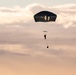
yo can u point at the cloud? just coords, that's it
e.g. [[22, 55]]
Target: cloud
[[66, 14], [55, 52], [14, 15], [23, 48], [29, 40], [18, 59]]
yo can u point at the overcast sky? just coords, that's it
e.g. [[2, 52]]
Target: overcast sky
[[22, 46], [24, 3]]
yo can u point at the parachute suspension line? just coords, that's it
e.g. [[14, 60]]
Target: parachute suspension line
[[45, 38]]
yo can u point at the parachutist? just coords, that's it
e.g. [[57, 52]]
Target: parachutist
[[45, 36]]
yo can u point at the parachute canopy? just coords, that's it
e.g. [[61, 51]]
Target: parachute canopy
[[45, 16]]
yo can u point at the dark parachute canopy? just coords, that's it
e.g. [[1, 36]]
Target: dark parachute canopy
[[45, 16]]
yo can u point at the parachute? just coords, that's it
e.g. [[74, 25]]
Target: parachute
[[45, 16]]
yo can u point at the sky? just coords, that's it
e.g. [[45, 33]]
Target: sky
[[24, 3], [22, 46]]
